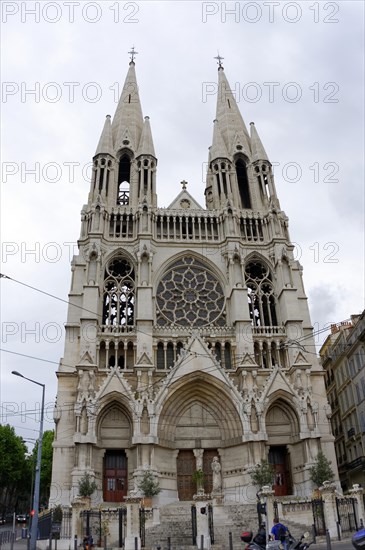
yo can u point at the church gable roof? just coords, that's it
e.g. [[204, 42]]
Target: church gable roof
[[184, 201]]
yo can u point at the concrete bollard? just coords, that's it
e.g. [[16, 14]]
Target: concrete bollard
[[328, 540]]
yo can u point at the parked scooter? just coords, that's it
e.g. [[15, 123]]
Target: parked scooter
[[301, 544]]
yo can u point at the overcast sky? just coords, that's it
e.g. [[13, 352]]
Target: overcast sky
[[297, 71]]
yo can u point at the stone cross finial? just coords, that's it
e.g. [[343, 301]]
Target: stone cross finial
[[184, 184], [220, 59], [132, 53]]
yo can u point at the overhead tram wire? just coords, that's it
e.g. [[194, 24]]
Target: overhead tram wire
[[3, 276], [288, 344]]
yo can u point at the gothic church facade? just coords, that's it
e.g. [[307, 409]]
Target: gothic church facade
[[188, 333]]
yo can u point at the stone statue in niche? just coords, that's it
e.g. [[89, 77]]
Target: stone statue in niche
[[86, 385], [217, 475], [254, 420], [83, 421], [198, 453]]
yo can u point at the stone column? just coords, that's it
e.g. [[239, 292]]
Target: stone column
[[132, 504], [357, 492], [198, 453], [78, 504], [202, 526], [267, 494], [328, 492]]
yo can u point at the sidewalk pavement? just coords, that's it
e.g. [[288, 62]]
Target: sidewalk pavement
[[335, 545], [21, 544]]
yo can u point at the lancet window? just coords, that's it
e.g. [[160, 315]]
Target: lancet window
[[167, 353], [261, 296], [119, 293]]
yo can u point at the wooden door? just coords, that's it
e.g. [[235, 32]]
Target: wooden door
[[279, 458], [115, 483], [208, 456], [186, 488]]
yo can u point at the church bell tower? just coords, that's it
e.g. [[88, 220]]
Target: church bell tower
[[188, 336]]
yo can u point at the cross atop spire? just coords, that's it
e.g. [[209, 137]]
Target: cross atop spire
[[220, 59], [132, 53], [184, 184]]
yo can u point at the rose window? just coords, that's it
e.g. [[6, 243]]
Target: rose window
[[190, 295]]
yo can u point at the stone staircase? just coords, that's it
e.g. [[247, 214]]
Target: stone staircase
[[175, 522]]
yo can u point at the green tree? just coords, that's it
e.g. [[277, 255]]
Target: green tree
[[46, 465], [321, 471], [15, 478], [262, 474]]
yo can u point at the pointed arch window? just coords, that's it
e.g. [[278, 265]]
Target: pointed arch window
[[124, 178], [261, 297], [242, 180], [119, 293]]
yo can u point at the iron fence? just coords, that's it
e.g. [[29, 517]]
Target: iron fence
[[194, 529], [346, 514], [318, 517], [210, 523], [142, 526]]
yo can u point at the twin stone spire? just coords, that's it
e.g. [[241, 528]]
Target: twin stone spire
[[130, 131]]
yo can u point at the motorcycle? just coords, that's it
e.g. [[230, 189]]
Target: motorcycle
[[258, 542]]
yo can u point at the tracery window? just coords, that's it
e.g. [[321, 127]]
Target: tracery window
[[190, 295], [261, 297], [119, 293]]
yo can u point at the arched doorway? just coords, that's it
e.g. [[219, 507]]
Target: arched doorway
[[114, 435], [198, 418], [282, 427]]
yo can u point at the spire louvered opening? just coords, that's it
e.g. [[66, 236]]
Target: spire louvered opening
[[124, 178], [242, 180]]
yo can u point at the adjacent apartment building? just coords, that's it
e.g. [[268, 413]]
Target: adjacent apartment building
[[343, 358]]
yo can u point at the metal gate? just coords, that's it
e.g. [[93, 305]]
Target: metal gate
[[92, 525], [122, 517], [194, 529], [45, 526], [210, 523], [318, 516], [346, 514], [142, 526]]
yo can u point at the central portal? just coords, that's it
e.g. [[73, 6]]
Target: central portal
[[186, 466]]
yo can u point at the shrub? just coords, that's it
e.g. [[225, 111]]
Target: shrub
[[86, 486], [321, 471], [263, 474], [149, 485]]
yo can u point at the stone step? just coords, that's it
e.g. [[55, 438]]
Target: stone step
[[175, 522]]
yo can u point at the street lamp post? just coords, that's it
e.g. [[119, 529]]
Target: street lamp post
[[37, 481]]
